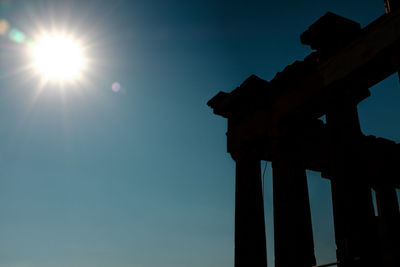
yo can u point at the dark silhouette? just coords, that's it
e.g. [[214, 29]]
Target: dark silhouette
[[278, 121]]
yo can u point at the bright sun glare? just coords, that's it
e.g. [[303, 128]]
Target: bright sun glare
[[58, 57]]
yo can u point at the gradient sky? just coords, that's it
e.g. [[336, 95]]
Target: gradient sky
[[141, 178]]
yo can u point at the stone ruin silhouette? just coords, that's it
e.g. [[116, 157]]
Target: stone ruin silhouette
[[278, 121]]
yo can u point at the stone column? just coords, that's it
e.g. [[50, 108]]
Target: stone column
[[294, 245], [389, 225], [354, 219], [250, 246]]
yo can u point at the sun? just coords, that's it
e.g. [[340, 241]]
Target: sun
[[58, 57]]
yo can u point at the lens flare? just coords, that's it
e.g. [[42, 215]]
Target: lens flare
[[17, 36], [58, 57], [116, 87], [4, 26]]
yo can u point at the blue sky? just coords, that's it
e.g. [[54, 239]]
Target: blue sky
[[89, 177]]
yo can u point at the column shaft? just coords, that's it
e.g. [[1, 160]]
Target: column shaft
[[389, 223], [250, 246], [354, 220], [294, 245]]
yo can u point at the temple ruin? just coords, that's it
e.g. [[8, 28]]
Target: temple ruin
[[279, 121]]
